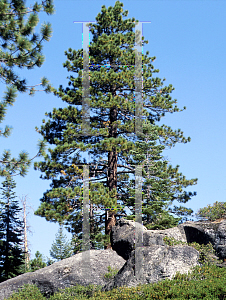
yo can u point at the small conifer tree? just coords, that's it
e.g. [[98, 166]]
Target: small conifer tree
[[11, 231], [37, 263], [61, 248]]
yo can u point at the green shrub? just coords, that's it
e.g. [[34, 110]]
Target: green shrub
[[214, 212], [206, 252], [203, 282], [76, 292], [111, 274], [28, 292], [206, 282], [170, 241], [31, 292]]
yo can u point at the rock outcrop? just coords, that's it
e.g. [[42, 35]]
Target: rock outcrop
[[66, 273], [123, 236], [202, 232], [159, 262], [156, 260]]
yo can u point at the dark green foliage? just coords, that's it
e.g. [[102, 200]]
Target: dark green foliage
[[97, 239], [37, 263], [61, 248], [11, 232], [162, 185], [112, 145], [11, 166]]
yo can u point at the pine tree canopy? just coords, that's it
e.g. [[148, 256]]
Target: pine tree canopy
[[114, 147], [20, 48]]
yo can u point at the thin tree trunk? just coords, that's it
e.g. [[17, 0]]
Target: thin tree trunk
[[92, 246], [7, 244], [110, 219], [25, 236], [148, 190], [26, 229]]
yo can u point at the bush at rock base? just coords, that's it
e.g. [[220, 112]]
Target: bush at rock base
[[28, 292], [206, 282], [207, 252], [31, 292], [112, 272]]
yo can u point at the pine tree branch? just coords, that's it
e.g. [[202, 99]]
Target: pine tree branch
[[15, 13]]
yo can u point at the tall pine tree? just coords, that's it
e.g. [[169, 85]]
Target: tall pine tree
[[113, 146], [11, 231]]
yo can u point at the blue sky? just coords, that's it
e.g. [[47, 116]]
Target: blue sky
[[188, 40]]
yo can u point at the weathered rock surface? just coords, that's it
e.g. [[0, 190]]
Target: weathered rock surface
[[66, 273], [159, 262], [123, 235]]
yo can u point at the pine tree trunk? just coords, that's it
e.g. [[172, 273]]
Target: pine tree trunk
[[25, 236], [7, 244], [92, 246], [110, 219]]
